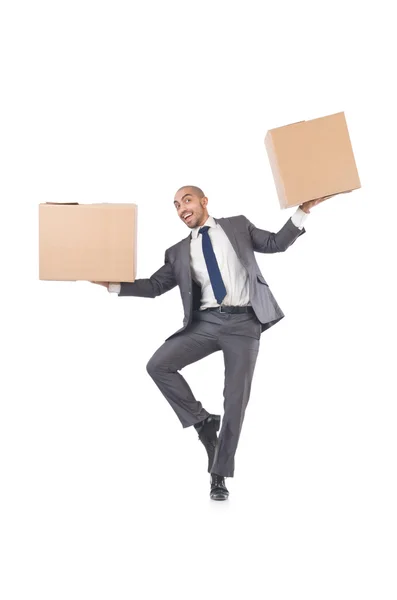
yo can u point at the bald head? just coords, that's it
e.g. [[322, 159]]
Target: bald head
[[191, 205], [194, 189]]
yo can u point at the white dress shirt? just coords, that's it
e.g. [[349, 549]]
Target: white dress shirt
[[234, 275]]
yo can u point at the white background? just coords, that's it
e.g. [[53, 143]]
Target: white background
[[103, 494]]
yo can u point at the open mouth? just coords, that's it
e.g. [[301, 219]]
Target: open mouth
[[187, 217]]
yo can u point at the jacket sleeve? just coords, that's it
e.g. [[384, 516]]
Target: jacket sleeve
[[160, 282], [266, 241]]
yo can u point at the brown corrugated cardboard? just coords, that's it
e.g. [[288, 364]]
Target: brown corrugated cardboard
[[87, 242], [312, 159]]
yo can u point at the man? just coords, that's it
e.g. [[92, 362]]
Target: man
[[227, 305]]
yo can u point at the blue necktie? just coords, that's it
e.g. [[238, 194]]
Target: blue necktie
[[213, 270]]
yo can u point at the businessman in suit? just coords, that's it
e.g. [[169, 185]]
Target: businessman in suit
[[227, 305]]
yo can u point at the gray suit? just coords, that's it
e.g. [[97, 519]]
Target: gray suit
[[205, 332]]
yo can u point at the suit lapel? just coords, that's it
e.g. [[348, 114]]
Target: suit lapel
[[184, 255], [228, 229]]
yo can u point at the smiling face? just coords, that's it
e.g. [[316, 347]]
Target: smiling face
[[191, 206]]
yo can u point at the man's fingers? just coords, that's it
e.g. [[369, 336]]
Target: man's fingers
[[311, 203]]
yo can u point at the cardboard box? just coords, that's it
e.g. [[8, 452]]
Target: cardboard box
[[312, 159], [88, 242]]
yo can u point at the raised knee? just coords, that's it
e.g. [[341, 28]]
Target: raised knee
[[152, 366]]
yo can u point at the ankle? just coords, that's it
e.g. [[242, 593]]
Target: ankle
[[216, 476], [199, 424], [203, 422]]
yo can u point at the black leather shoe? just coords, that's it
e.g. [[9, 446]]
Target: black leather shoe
[[218, 488], [207, 435]]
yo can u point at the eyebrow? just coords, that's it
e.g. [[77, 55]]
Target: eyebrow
[[182, 197]]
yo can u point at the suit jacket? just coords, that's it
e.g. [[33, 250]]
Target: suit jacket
[[245, 239]]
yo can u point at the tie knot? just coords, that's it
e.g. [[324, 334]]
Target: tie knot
[[204, 229]]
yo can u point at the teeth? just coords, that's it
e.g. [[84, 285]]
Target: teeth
[[186, 216]]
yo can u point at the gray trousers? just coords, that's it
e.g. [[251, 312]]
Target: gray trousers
[[238, 336]]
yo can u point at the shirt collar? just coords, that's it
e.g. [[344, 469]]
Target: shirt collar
[[210, 222]]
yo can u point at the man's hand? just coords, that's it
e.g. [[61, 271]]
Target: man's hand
[[104, 283], [306, 206]]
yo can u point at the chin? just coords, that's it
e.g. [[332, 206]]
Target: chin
[[191, 225]]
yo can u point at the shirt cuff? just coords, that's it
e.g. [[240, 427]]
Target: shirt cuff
[[114, 287], [299, 217]]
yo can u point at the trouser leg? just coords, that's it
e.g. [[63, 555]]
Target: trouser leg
[[196, 342], [240, 355]]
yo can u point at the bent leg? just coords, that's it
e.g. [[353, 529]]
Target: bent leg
[[196, 342]]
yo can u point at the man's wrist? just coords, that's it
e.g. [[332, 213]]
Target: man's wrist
[[114, 288], [299, 217]]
